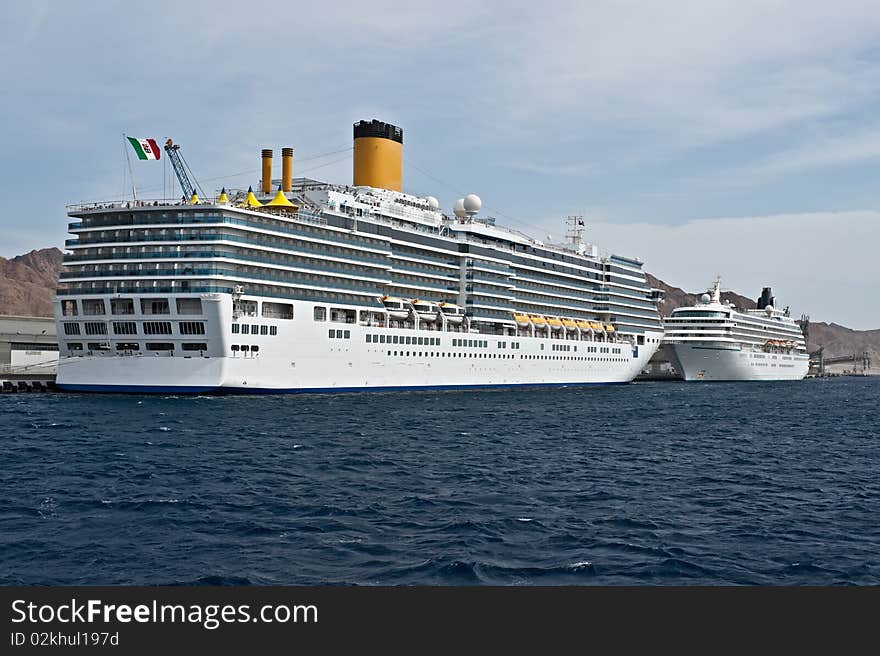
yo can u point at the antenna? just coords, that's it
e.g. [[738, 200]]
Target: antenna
[[575, 232]]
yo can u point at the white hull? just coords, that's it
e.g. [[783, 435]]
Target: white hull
[[302, 357], [713, 363]]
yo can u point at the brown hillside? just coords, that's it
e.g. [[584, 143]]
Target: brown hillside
[[27, 282]]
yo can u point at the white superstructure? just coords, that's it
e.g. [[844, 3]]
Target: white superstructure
[[324, 287], [714, 341]]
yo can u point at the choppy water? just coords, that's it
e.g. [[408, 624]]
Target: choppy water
[[657, 483]]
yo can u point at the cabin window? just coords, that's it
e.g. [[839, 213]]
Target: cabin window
[[121, 306], [264, 330], [128, 346], [255, 329], [157, 328], [74, 346], [235, 347], [320, 314], [254, 348], [277, 310], [189, 306], [68, 308], [95, 328], [347, 334], [194, 346], [93, 306], [192, 327], [71, 329], [245, 329], [98, 346], [235, 329], [155, 306], [273, 330], [160, 346], [369, 339], [124, 328], [342, 316]]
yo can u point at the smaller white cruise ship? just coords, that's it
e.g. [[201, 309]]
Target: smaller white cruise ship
[[715, 341]]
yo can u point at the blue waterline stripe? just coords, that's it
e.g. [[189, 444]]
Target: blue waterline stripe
[[158, 389]]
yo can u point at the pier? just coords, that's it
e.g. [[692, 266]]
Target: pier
[[28, 354]]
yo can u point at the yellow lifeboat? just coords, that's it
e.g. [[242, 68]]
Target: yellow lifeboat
[[522, 320], [569, 324], [583, 325], [553, 322], [609, 328], [537, 319], [596, 326]]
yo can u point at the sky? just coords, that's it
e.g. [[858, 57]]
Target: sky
[[733, 138]]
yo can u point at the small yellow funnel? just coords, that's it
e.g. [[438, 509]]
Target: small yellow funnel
[[287, 169], [250, 200], [280, 200], [223, 199], [194, 199], [266, 180]]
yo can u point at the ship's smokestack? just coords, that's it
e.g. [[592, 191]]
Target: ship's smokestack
[[378, 155], [266, 180], [766, 299], [286, 169]]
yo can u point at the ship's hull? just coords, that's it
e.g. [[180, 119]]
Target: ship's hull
[[698, 362], [302, 357]]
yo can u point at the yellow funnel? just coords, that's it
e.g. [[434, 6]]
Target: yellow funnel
[[194, 199], [223, 199], [378, 155]]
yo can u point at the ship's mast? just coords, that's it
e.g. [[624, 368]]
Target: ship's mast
[[716, 290], [575, 232]]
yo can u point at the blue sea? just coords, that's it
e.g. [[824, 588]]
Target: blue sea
[[649, 483]]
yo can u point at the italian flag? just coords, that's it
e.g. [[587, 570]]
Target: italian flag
[[145, 148]]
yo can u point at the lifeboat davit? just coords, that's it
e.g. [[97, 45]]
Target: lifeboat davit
[[427, 311], [453, 313], [396, 308]]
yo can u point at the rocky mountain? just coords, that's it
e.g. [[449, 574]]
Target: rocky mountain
[[27, 283]]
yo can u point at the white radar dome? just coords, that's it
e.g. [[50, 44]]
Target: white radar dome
[[472, 203], [458, 208], [705, 298], [433, 203]]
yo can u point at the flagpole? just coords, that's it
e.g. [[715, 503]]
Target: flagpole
[[130, 172]]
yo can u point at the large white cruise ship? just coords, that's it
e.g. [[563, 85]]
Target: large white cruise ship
[[322, 287], [714, 341]]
